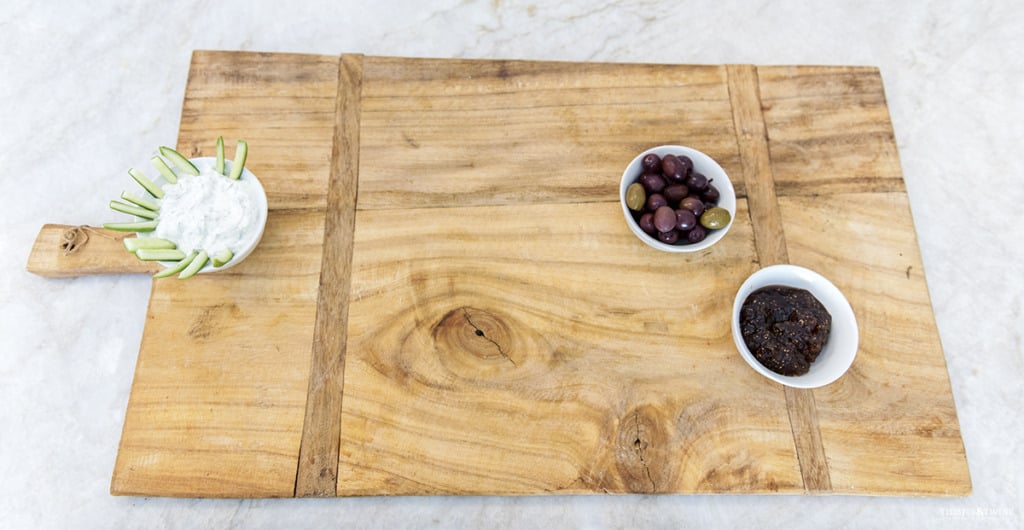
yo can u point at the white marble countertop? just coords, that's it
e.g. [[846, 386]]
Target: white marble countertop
[[88, 88]]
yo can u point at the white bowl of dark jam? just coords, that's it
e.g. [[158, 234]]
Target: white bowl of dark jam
[[776, 327]]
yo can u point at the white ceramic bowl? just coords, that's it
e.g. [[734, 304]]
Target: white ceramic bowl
[[841, 348], [254, 189], [702, 163]]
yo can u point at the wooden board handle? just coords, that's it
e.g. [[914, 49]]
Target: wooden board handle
[[66, 251]]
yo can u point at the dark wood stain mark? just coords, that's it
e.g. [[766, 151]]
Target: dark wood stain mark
[[317, 470], [204, 325], [410, 140]]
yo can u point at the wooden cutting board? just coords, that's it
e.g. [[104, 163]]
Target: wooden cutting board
[[447, 299]]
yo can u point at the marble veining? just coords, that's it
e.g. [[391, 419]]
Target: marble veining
[[88, 89]]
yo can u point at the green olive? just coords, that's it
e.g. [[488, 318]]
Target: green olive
[[636, 197], [715, 218]]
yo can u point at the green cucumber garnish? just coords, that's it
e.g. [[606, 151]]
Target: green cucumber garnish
[[140, 226], [178, 267], [131, 244], [170, 163], [131, 209], [145, 203], [219, 167], [144, 181], [239, 164], [222, 257], [177, 159], [164, 169], [197, 263], [159, 254]]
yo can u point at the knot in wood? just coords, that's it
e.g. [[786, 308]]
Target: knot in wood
[[476, 336], [641, 451]]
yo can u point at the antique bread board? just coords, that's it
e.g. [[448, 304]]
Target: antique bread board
[[448, 301]]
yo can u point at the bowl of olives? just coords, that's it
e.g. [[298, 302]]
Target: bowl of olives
[[677, 199]]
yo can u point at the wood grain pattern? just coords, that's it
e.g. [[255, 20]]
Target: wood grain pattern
[[832, 147], [318, 456], [770, 240], [102, 253], [564, 356], [830, 130], [283, 104], [757, 175], [469, 132], [447, 300], [888, 426], [219, 395], [520, 339]]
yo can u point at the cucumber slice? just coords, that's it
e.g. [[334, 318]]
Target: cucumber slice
[[177, 159], [159, 254], [197, 263], [145, 203], [178, 267], [131, 209], [220, 156], [239, 164], [144, 181], [140, 226], [222, 257], [164, 169], [131, 244]]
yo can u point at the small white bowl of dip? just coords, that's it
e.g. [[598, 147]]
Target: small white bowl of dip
[[840, 350], [212, 214]]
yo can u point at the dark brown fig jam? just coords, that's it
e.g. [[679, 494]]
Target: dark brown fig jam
[[785, 328]]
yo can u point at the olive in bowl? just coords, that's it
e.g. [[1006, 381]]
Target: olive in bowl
[[677, 199]]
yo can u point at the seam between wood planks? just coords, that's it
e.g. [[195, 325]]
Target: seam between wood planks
[[770, 242], [317, 471]]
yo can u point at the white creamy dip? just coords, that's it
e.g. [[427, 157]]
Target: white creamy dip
[[207, 212]]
